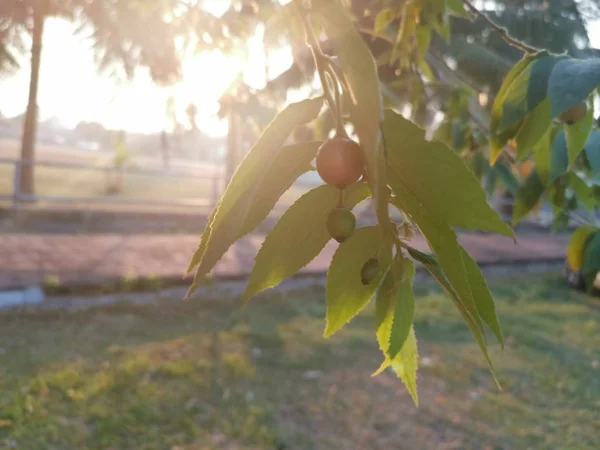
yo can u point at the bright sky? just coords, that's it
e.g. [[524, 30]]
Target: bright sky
[[72, 90]]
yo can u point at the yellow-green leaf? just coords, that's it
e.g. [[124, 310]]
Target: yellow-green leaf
[[298, 237], [577, 245], [346, 294], [577, 134], [533, 129]]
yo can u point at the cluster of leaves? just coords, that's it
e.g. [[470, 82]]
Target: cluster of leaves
[[545, 107], [425, 180]]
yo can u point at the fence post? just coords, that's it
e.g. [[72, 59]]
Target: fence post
[[16, 185]]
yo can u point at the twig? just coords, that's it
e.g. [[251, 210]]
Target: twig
[[502, 31]]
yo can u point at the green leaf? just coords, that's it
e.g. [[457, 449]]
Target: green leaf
[[437, 177], [395, 306], [498, 138], [405, 365], [366, 111], [423, 35], [508, 177], [482, 296], [592, 151], [542, 153], [533, 129], [591, 259], [345, 292], [571, 82], [298, 237], [383, 19], [559, 156], [457, 8], [583, 192], [577, 134], [528, 196], [577, 243], [265, 173]]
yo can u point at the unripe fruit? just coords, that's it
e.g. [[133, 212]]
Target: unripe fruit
[[369, 271], [340, 162], [574, 114], [341, 224]]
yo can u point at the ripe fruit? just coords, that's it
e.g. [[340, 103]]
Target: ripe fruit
[[340, 162], [574, 114], [369, 271], [341, 223]]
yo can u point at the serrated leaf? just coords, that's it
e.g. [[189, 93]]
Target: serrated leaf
[[366, 111], [405, 365], [482, 296], [578, 133], [298, 237], [591, 259], [571, 82], [533, 129], [498, 139], [592, 151], [437, 177], [395, 306], [383, 19], [583, 192], [264, 174], [508, 177], [577, 245], [346, 294], [528, 196], [559, 156]]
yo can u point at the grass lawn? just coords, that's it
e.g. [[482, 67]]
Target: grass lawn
[[207, 375]]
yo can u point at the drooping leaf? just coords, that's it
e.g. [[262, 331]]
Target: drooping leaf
[[528, 196], [395, 307], [482, 296], [559, 156], [533, 129], [592, 151], [264, 174], [591, 259], [298, 237], [571, 82], [542, 153], [583, 192], [366, 110], [507, 176], [437, 177], [346, 294], [405, 365], [577, 245], [577, 134]]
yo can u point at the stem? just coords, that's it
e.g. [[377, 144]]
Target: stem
[[502, 31], [320, 59]]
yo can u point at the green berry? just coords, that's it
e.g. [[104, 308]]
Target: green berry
[[341, 224], [369, 271]]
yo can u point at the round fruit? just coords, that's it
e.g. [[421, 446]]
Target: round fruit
[[340, 162], [341, 223], [369, 271], [574, 114]]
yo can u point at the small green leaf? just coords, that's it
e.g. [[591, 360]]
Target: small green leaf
[[571, 82], [533, 129], [423, 34], [383, 19], [591, 259], [346, 294], [395, 307], [508, 177], [583, 192], [528, 196], [457, 8], [577, 134], [438, 177], [265, 173], [559, 156], [592, 151], [298, 237], [577, 245]]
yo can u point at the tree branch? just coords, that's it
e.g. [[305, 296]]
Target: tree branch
[[502, 31]]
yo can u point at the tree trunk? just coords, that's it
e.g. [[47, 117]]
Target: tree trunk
[[29, 128]]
